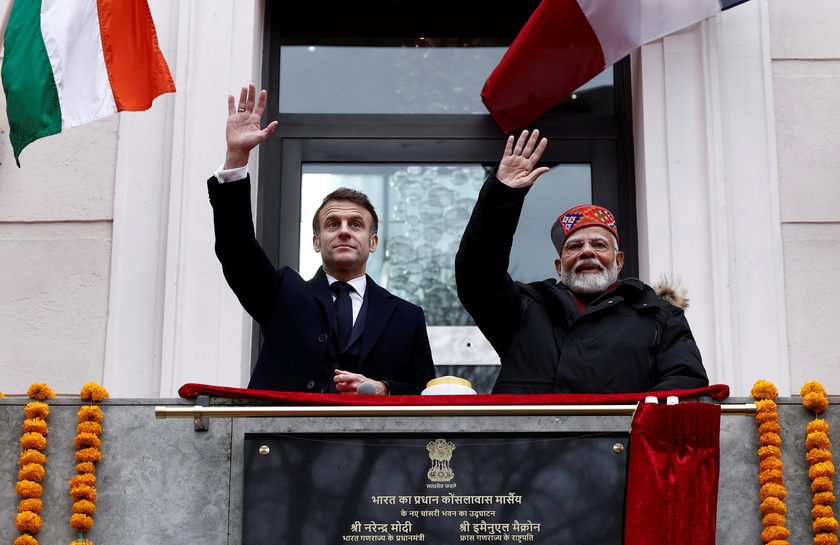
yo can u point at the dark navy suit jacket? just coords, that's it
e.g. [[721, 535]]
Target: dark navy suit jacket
[[299, 350]]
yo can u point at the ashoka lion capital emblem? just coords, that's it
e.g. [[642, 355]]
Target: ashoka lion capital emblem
[[440, 452]]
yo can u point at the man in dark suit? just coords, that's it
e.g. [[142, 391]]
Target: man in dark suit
[[312, 340]]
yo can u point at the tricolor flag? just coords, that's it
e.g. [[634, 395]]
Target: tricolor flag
[[565, 43], [69, 62]]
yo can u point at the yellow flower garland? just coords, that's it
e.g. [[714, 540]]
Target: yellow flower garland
[[32, 460], [87, 443], [822, 469], [771, 474]]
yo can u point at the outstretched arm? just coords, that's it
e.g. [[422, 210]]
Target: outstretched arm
[[247, 269], [243, 132], [516, 168], [481, 265]]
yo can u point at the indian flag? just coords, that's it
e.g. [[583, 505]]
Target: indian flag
[[69, 62]]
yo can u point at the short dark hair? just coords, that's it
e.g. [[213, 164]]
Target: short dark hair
[[352, 195]]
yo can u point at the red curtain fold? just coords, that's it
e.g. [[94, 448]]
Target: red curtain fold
[[191, 390], [673, 474]]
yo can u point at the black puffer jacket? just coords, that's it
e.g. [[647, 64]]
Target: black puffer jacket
[[627, 340]]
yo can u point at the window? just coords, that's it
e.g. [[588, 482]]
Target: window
[[385, 97]]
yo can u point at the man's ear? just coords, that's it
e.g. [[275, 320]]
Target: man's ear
[[619, 261], [316, 243], [558, 265], [374, 242]]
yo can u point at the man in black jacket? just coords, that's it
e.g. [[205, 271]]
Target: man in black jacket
[[312, 342], [588, 333]]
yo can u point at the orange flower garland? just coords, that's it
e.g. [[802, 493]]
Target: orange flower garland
[[771, 474], [822, 469], [32, 460], [87, 445]]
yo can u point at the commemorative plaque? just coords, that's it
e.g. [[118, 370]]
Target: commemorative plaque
[[439, 488]]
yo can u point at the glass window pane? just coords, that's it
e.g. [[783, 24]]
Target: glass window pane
[[405, 80], [423, 210], [393, 80]]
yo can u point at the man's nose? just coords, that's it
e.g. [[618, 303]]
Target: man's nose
[[587, 249]]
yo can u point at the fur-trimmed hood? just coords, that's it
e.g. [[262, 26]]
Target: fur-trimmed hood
[[671, 291]]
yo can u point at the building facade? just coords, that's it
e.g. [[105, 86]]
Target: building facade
[[108, 271]]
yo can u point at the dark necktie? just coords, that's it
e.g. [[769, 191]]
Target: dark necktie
[[343, 311]]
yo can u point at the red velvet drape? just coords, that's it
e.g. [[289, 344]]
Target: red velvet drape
[[673, 473]]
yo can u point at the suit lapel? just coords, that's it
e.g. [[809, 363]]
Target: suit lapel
[[380, 306], [320, 290]]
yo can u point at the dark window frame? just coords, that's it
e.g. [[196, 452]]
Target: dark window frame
[[606, 140]]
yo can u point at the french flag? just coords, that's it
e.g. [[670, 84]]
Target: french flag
[[566, 43]]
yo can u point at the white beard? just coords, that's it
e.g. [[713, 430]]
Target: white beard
[[589, 283]]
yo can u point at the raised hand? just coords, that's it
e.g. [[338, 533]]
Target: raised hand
[[516, 168], [243, 132]]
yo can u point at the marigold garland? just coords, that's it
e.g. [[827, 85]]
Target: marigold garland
[[771, 474], [822, 468], [41, 391], [32, 442], [87, 443], [93, 392]]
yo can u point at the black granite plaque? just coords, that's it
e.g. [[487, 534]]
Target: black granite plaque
[[335, 489]]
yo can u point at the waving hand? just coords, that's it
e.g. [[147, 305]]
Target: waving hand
[[516, 168], [243, 132]]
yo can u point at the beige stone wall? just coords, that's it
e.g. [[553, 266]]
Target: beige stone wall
[[806, 85]]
